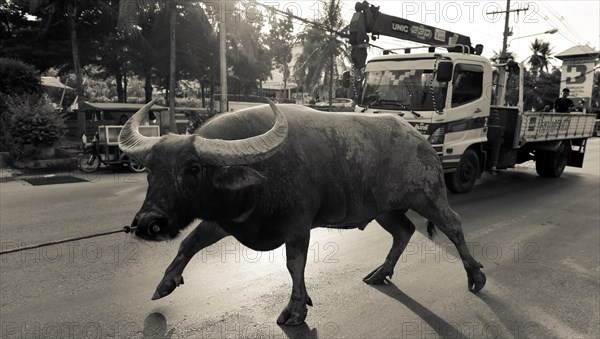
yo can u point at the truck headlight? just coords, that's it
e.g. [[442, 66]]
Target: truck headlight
[[437, 137]]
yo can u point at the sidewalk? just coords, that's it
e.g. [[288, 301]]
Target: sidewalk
[[49, 167], [18, 169]]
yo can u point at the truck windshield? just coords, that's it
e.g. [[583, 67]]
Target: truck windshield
[[407, 89]]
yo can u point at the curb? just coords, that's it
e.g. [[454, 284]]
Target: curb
[[9, 174], [20, 169]]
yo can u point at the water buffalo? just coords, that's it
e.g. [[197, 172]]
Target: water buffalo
[[268, 179]]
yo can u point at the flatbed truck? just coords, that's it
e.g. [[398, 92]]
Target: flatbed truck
[[469, 108]]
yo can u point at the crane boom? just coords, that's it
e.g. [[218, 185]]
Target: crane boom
[[368, 19]]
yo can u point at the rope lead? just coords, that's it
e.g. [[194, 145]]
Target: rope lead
[[125, 229]]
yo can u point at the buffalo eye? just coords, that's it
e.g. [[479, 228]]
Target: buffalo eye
[[194, 170]]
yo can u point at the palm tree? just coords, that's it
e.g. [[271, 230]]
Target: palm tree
[[496, 56], [541, 53], [321, 48]]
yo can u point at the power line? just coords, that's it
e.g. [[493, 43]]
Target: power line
[[574, 37], [562, 20], [306, 21], [560, 32]]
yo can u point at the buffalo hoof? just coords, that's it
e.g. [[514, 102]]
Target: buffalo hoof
[[378, 276], [476, 280], [294, 314], [167, 285]]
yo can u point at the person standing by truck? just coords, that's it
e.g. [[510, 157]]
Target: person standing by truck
[[563, 104]]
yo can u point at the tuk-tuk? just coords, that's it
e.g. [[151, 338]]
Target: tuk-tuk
[[104, 149], [106, 121]]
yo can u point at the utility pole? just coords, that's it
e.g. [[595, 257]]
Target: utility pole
[[506, 33], [503, 53], [223, 60], [503, 78], [172, 67]]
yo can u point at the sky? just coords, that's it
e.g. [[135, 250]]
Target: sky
[[577, 22]]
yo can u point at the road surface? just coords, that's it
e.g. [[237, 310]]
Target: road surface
[[537, 238]]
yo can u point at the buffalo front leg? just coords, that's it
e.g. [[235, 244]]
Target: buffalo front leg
[[205, 234], [401, 229], [295, 312]]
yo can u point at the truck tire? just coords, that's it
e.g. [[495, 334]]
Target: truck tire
[[466, 173], [550, 164]]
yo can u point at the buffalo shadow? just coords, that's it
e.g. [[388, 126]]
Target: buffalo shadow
[[439, 325], [155, 326], [513, 318], [302, 331]]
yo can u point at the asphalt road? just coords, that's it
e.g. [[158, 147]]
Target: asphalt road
[[538, 239]]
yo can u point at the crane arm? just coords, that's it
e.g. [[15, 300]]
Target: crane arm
[[368, 19]]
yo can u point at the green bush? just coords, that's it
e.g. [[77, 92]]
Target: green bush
[[188, 102], [196, 118], [7, 143], [32, 120], [242, 97], [18, 78], [19, 83]]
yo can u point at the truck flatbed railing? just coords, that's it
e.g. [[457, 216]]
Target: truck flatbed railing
[[542, 126]]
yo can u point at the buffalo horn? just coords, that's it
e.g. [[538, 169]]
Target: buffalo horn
[[131, 141], [244, 151]]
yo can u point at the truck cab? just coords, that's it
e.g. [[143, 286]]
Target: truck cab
[[451, 114]]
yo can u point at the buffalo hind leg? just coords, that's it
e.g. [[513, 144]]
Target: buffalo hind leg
[[401, 229], [205, 234], [296, 252], [448, 221]]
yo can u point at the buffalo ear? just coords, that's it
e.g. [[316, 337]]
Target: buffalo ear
[[236, 177]]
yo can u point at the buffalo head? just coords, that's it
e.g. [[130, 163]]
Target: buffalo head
[[188, 175]]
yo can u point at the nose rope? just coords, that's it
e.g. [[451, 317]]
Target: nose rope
[[125, 229]]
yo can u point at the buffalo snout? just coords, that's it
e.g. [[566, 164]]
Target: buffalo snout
[[150, 225]]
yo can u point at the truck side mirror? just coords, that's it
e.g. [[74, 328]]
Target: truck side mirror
[[444, 71]]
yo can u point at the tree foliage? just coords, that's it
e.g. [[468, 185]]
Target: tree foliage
[[129, 39], [316, 63], [34, 121], [542, 86], [41, 43], [18, 78], [541, 89], [248, 58], [541, 53], [280, 44], [25, 115]]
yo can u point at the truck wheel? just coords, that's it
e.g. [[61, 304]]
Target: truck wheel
[[552, 164], [466, 173]]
